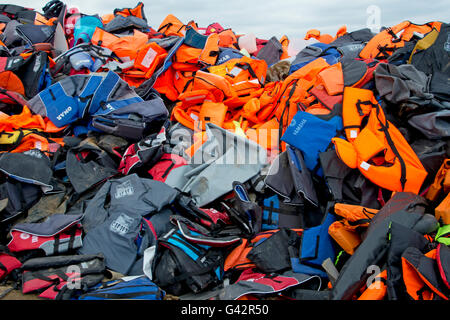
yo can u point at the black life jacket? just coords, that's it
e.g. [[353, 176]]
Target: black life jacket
[[62, 277], [434, 61], [18, 198], [181, 266], [33, 71]]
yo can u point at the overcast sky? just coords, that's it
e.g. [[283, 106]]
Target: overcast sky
[[276, 17]]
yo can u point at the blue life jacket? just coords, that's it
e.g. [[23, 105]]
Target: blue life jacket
[[81, 97], [129, 288], [314, 51], [228, 54], [312, 135], [85, 28], [316, 246]]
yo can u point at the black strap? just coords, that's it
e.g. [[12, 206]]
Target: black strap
[[385, 129], [286, 106], [366, 103], [168, 169], [367, 212], [359, 222], [271, 209], [166, 26], [392, 33], [353, 126], [56, 245], [383, 52], [187, 84], [59, 273], [72, 237], [52, 94], [181, 28], [18, 141]]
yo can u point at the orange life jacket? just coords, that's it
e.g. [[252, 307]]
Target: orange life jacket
[[188, 58], [325, 38], [266, 135], [332, 79], [137, 11], [442, 211], [344, 231], [10, 81], [237, 258], [246, 75], [415, 275], [378, 150], [228, 39], [27, 120], [150, 57], [212, 112], [284, 45], [125, 47], [187, 117], [211, 82], [164, 84], [441, 182], [172, 26], [382, 45], [267, 101], [294, 95], [26, 131], [237, 101], [198, 88], [41, 20], [24, 140], [106, 18], [314, 33], [193, 106]]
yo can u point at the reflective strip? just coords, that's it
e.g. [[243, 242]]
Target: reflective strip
[[365, 165]]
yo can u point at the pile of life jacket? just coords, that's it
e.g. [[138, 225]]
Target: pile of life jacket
[[143, 161]]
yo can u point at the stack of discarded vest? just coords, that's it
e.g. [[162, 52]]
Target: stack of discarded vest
[[140, 162]]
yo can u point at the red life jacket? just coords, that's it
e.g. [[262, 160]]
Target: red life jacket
[[165, 165]]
